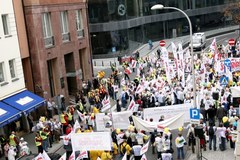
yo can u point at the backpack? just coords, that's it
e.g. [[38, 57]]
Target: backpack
[[191, 136], [126, 96], [211, 131]]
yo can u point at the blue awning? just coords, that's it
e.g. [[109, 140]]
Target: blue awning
[[8, 114], [24, 101]]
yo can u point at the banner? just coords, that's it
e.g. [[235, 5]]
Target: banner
[[91, 141], [144, 149], [172, 123], [168, 112], [99, 122], [121, 119], [235, 92], [235, 65]]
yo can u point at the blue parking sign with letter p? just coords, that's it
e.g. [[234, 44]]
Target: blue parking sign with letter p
[[194, 114]]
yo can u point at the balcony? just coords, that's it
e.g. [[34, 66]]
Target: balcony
[[49, 41], [66, 37], [80, 33]]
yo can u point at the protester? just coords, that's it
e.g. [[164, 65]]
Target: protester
[[180, 142], [12, 153]]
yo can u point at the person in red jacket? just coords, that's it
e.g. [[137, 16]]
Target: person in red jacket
[[69, 129], [64, 121]]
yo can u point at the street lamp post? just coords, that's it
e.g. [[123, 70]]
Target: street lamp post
[[159, 6]]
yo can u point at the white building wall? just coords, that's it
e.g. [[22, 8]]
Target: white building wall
[[9, 49]]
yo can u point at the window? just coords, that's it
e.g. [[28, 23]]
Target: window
[[64, 22], [5, 22], [2, 79], [46, 24], [12, 68], [79, 20]]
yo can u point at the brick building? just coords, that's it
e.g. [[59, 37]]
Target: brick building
[[59, 45]]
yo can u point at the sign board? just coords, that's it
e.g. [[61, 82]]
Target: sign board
[[194, 115], [221, 67], [228, 64], [162, 43], [224, 80], [121, 119], [168, 112], [91, 141], [231, 42]]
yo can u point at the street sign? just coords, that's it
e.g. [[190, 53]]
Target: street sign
[[231, 42], [227, 63], [162, 43], [194, 115], [224, 80]]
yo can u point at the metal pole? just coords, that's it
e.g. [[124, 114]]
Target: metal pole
[[159, 6], [193, 71], [191, 51]]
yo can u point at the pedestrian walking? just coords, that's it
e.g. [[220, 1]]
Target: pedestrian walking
[[180, 142]]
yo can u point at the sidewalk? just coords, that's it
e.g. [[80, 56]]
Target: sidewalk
[[212, 155]]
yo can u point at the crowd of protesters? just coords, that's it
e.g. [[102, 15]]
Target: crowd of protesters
[[157, 88]]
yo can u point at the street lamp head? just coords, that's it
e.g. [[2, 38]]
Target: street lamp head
[[157, 6]]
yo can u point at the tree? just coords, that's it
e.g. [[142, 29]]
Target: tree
[[233, 12]]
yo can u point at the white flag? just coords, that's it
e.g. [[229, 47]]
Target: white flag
[[98, 158], [83, 154], [144, 157], [76, 126], [144, 149], [64, 157], [39, 157], [131, 105], [106, 104], [45, 156], [66, 138], [229, 74], [125, 156], [134, 63], [82, 116]]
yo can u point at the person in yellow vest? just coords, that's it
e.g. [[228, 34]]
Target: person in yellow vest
[[64, 121], [70, 117], [127, 147], [13, 140], [44, 137], [115, 148], [38, 142], [106, 155], [94, 155]]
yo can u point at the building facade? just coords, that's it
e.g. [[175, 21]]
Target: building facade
[[16, 102], [120, 26], [11, 71], [59, 45]]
